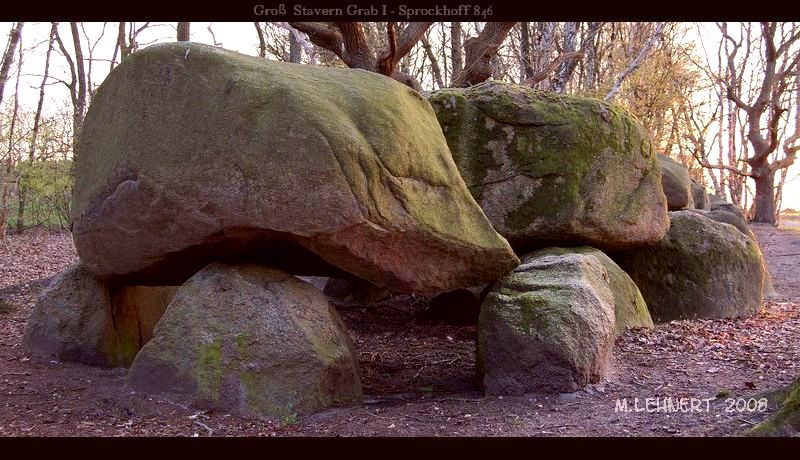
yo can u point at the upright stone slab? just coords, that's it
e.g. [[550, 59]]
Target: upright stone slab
[[251, 340], [547, 327], [78, 318], [677, 184], [701, 269]]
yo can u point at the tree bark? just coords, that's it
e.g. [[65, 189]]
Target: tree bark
[[437, 72], [559, 83], [9, 162], [77, 84], [184, 29], [479, 51], [455, 52], [348, 41], [8, 57], [294, 49], [526, 68], [262, 43], [22, 189], [764, 200]]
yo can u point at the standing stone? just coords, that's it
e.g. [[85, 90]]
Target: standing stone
[[728, 217], [722, 205], [630, 309], [554, 168], [547, 327], [701, 269], [700, 197], [676, 183], [72, 321], [250, 340], [80, 319]]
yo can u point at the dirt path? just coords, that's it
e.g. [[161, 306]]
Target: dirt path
[[418, 376]]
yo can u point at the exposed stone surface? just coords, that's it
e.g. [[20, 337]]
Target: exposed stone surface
[[547, 327], [80, 319], [191, 153], [701, 269], [786, 421], [676, 183], [700, 198], [728, 217], [250, 340], [718, 204], [554, 168], [630, 308]]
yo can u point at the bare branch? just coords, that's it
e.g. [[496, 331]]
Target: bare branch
[[323, 34], [635, 63], [550, 68]]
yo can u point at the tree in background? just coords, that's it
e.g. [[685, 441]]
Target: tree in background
[[758, 80], [695, 111]]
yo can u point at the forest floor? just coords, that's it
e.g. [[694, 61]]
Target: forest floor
[[418, 376]]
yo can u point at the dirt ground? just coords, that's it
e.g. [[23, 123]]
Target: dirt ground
[[418, 375]]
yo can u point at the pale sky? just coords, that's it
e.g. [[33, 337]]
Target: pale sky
[[235, 36]]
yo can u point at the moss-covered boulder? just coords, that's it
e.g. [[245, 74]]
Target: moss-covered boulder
[[79, 319], [549, 168], [250, 340], [728, 217], [701, 269], [677, 184], [700, 198], [786, 421], [547, 327], [190, 154], [718, 204], [630, 309]]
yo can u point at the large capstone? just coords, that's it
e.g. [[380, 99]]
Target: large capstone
[[701, 269], [552, 168], [191, 154], [548, 326], [251, 340]]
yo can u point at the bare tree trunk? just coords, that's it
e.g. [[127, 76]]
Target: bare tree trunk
[[183, 30], [262, 43], [77, 84], [9, 162], [437, 72], [80, 107], [526, 68], [9, 166], [8, 56], [559, 83], [22, 189], [637, 61], [349, 42], [590, 52], [479, 52], [294, 49], [764, 200], [455, 51]]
